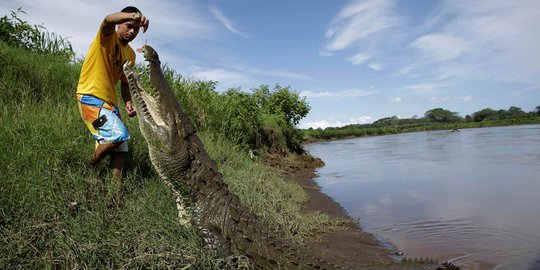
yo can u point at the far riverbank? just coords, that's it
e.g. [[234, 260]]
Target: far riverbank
[[328, 134]]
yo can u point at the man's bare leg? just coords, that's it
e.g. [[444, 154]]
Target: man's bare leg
[[100, 153], [117, 166]]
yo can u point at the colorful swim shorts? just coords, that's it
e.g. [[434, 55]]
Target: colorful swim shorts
[[104, 121]]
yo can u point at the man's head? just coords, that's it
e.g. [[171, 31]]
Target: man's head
[[129, 30]]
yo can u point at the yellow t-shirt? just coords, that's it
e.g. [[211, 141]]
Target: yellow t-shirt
[[102, 67]]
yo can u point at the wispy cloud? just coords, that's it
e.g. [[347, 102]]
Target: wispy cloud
[[226, 78], [339, 94], [441, 47], [277, 73], [426, 87], [397, 100], [186, 18], [524, 91], [450, 99], [482, 40], [376, 66], [359, 59], [359, 20], [331, 123], [240, 75], [226, 21]]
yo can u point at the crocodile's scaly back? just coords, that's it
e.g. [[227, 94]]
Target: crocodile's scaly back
[[203, 197]]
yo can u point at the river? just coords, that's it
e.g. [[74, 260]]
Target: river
[[470, 197]]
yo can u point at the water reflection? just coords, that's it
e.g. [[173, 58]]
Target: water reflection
[[468, 196]]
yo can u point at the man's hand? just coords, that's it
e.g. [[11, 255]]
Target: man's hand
[[109, 23], [138, 17], [130, 109]]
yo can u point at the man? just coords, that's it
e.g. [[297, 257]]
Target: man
[[96, 93]]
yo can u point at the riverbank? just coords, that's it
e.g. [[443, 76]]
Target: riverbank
[[351, 246], [330, 134]]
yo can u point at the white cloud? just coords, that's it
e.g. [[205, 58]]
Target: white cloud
[[275, 73], [226, 78], [226, 21], [345, 93], [325, 53], [239, 75], [483, 40], [170, 22], [359, 20], [361, 120], [329, 33], [376, 66], [524, 91], [359, 58], [396, 100], [426, 87], [450, 99], [441, 47], [330, 123]]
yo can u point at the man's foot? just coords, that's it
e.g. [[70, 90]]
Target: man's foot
[[90, 164]]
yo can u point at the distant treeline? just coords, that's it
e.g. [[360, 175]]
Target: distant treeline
[[434, 119]]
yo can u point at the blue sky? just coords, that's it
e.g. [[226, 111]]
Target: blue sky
[[355, 61]]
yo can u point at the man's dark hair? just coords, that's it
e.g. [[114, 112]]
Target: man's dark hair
[[131, 9]]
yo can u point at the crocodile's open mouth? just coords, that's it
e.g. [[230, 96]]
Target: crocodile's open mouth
[[146, 102]]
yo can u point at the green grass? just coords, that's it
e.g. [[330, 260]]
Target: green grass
[[56, 214], [262, 189]]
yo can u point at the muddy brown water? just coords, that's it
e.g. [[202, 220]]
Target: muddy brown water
[[471, 197]]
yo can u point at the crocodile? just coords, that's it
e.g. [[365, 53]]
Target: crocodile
[[203, 198]]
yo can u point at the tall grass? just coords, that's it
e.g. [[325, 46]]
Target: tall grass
[[56, 214], [16, 32], [32, 76]]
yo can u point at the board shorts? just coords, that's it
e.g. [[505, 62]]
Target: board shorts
[[104, 122]]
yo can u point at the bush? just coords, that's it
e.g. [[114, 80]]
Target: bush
[[282, 101], [262, 119]]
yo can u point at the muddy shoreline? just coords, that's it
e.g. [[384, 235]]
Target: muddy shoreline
[[352, 245]]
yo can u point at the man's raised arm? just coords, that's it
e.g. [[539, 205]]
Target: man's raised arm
[[111, 20]]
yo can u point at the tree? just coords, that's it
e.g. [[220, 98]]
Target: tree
[[484, 114], [515, 112], [537, 110], [282, 100], [387, 121], [442, 115]]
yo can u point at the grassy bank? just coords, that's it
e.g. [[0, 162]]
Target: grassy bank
[[56, 214]]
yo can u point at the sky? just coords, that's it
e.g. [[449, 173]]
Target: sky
[[354, 61]]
